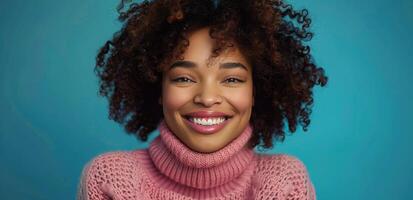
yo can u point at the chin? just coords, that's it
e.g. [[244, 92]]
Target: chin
[[206, 149], [205, 146]]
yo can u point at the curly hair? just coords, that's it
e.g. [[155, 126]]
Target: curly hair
[[270, 33]]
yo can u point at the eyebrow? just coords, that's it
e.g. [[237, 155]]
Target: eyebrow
[[189, 64]]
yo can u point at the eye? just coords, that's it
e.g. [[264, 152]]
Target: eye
[[182, 80], [234, 80]]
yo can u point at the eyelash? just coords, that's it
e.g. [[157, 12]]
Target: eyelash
[[186, 80], [238, 80], [181, 78]]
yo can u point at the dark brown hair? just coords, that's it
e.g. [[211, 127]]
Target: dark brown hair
[[270, 33]]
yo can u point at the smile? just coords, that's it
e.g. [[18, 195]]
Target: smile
[[208, 125], [207, 121]]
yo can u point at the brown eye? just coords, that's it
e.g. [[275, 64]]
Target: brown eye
[[182, 80], [234, 80]]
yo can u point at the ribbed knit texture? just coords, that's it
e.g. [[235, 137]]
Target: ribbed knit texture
[[168, 169]]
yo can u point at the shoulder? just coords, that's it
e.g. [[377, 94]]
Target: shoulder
[[280, 166], [112, 162], [111, 159], [108, 162], [97, 168], [103, 172], [286, 174], [280, 162]]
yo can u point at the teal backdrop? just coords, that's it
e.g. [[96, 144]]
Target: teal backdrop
[[53, 121]]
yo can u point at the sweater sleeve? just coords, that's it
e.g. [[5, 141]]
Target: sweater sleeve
[[88, 187], [109, 176], [301, 187], [284, 177]]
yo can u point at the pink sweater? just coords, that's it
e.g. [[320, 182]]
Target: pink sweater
[[168, 169]]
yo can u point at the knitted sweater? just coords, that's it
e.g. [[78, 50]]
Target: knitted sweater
[[168, 169]]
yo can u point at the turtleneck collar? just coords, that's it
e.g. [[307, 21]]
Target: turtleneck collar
[[200, 170]]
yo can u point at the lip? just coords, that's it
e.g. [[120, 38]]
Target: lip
[[207, 130]]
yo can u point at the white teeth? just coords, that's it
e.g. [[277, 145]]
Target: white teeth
[[207, 122]]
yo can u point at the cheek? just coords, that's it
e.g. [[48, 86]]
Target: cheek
[[241, 99], [173, 98]]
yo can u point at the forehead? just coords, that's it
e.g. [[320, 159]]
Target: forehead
[[200, 50]]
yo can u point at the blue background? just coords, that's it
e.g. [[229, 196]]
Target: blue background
[[53, 121]]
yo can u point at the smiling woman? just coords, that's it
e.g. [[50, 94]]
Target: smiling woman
[[207, 103], [216, 78]]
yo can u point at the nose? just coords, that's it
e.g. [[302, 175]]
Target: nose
[[208, 95]]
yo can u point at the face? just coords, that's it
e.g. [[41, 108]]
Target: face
[[222, 86]]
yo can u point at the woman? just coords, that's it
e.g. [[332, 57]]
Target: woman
[[217, 78]]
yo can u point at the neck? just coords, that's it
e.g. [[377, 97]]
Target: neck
[[200, 170]]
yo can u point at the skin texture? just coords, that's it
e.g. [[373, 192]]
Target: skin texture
[[206, 86]]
